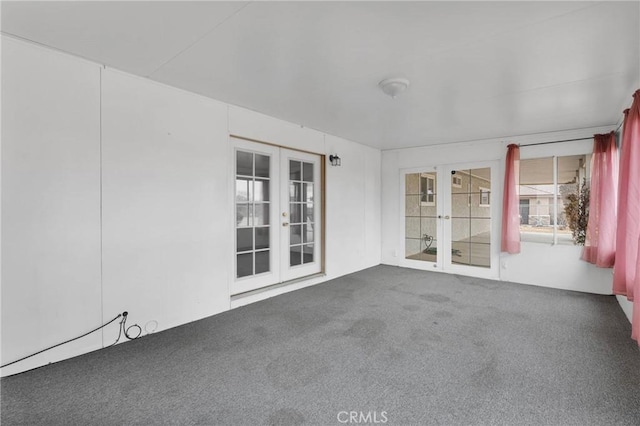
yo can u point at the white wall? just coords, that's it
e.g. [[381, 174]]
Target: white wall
[[50, 204], [538, 264], [164, 186], [116, 196], [555, 266], [626, 305], [352, 208]]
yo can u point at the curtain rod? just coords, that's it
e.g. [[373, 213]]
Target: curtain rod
[[565, 140]]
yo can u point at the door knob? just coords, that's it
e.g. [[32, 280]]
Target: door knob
[[285, 224], [446, 217]]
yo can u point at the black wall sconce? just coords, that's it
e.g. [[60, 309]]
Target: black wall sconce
[[335, 160]]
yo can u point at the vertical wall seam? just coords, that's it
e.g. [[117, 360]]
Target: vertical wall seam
[[366, 240], [101, 245], [555, 199], [231, 198], [323, 212]]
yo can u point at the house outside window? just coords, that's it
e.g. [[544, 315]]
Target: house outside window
[[427, 190], [485, 197], [545, 186]]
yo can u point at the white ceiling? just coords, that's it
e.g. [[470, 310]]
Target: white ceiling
[[477, 69]]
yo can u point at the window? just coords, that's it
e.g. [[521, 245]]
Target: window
[[547, 186], [485, 197], [427, 190], [456, 181]]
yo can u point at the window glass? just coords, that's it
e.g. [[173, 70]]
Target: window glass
[[428, 190], [536, 200], [244, 163], [252, 191], [546, 208], [420, 217]]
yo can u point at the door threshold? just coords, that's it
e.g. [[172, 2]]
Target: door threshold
[[248, 293]]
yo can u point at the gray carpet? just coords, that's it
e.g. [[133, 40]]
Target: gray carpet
[[406, 346]]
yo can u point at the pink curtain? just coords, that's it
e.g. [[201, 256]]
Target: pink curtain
[[600, 244], [511, 202], [626, 272]]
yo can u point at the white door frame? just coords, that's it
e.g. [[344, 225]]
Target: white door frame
[[244, 284], [443, 208], [420, 264], [287, 272], [279, 230], [493, 271]]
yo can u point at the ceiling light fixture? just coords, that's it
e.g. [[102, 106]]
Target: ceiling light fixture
[[393, 86]]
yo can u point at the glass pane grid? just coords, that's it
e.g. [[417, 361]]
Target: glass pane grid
[[421, 216], [252, 213], [253, 248], [539, 219], [471, 218], [301, 213]]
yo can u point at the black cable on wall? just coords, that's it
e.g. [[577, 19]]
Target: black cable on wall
[[123, 330]]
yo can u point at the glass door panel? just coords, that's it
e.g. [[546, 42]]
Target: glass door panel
[[301, 207], [447, 222], [254, 231], [256, 196], [278, 205], [470, 224], [300, 224], [421, 216]]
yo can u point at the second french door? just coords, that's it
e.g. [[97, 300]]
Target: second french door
[[448, 222], [278, 208]]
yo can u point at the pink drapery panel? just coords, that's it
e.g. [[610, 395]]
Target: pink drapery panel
[[626, 272], [622, 275], [511, 202], [600, 244]]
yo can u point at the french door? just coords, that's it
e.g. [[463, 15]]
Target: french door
[[449, 219], [278, 208]]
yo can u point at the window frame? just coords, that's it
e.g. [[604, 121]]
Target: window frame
[[428, 177], [485, 191], [554, 150]]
